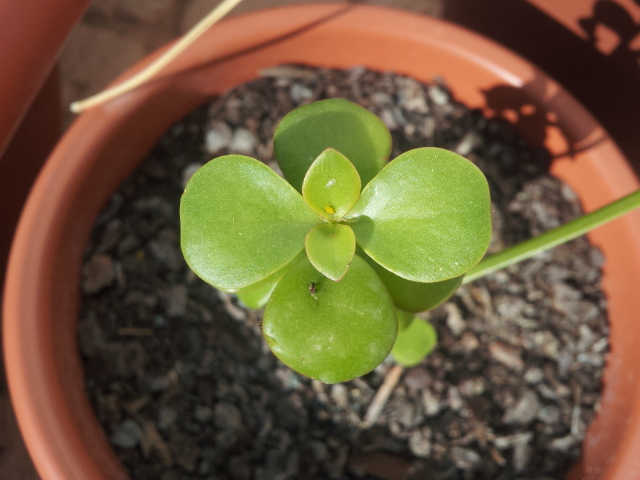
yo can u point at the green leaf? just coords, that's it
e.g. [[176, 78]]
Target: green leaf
[[240, 222], [414, 343], [332, 185], [256, 296], [330, 248], [330, 331], [307, 131], [404, 319], [413, 296], [426, 216]]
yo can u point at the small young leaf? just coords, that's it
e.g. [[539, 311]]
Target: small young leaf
[[330, 331], [240, 222], [330, 248], [426, 216], [413, 296], [332, 185], [307, 131], [256, 296], [414, 343]]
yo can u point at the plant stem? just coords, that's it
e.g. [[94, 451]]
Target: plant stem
[[553, 238], [382, 395], [165, 59]]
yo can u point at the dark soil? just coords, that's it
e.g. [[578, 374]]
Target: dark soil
[[186, 388]]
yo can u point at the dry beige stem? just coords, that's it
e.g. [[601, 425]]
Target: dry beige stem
[[382, 395], [145, 75]]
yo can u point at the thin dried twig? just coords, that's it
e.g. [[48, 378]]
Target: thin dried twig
[[145, 75], [382, 395]]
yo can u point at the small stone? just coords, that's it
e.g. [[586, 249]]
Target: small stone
[[125, 360], [141, 298], [465, 459], [438, 95], [319, 450], [97, 273], [227, 416], [300, 93], [417, 378], [185, 451], [565, 298], [524, 410], [420, 442], [454, 319], [563, 443], [388, 119], [534, 375], [547, 344], [470, 141], [407, 416], [506, 355], [243, 141], [549, 415], [287, 378], [90, 337], [155, 205], [175, 301], [509, 441], [167, 253], [471, 387], [167, 416], [202, 413], [159, 384], [126, 435], [469, 342], [217, 137], [431, 403], [454, 399], [112, 234], [380, 98]]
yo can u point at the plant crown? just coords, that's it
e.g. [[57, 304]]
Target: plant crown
[[347, 248]]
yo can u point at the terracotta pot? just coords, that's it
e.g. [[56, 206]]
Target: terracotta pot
[[29, 100], [598, 61], [106, 144]]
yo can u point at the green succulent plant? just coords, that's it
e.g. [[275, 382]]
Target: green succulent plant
[[347, 248], [346, 241]]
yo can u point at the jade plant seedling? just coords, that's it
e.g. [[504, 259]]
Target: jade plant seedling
[[346, 247]]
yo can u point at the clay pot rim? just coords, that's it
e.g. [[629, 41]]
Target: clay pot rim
[[38, 388]]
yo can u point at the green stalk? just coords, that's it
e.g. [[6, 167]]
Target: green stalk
[[553, 238]]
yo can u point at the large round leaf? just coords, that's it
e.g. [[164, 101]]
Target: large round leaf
[[241, 222], [335, 123], [330, 248], [330, 331], [426, 216], [414, 296], [332, 185]]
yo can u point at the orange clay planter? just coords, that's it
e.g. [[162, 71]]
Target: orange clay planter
[[105, 145]]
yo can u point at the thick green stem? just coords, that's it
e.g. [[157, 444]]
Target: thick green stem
[[553, 238]]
